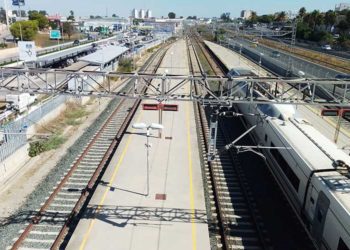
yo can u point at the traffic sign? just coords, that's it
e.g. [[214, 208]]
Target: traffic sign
[[55, 34], [18, 2], [27, 51]]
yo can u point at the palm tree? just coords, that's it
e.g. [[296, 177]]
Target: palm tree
[[330, 19], [254, 17], [281, 16], [317, 18], [302, 12]]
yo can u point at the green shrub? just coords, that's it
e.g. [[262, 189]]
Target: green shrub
[[37, 147]]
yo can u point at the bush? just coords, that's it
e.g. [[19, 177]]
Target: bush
[[37, 147], [125, 65], [321, 36], [3, 45]]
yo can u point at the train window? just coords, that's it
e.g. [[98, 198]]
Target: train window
[[292, 177], [270, 110], [265, 137], [342, 245]]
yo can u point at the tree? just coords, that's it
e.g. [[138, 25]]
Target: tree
[[92, 17], [2, 15], [254, 17], [42, 20], [53, 25], [343, 26], [266, 18], [225, 17], [68, 29], [171, 15], [114, 15], [71, 16], [43, 12], [302, 12], [281, 16], [330, 19], [28, 29], [317, 18]]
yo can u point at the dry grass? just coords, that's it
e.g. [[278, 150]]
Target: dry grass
[[70, 117], [43, 40]]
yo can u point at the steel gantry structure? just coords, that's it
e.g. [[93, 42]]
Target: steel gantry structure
[[275, 90]]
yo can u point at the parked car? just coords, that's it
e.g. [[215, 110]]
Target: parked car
[[326, 47], [276, 54], [76, 42]]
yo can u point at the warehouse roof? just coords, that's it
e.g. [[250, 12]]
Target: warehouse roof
[[104, 55]]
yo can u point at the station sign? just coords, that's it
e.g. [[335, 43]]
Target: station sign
[[27, 51], [18, 2], [330, 112], [55, 34], [345, 113]]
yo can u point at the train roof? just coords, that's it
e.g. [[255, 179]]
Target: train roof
[[319, 153]]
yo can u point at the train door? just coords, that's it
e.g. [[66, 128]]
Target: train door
[[311, 203], [319, 220]]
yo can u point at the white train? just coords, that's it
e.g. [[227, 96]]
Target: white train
[[313, 173]]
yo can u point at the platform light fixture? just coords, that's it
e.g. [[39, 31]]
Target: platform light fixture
[[154, 126], [340, 113]]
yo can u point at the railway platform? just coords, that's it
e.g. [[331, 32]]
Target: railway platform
[[312, 114], [120, 214]]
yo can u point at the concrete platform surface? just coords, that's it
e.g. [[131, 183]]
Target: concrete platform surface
[[311, 113], [121, 216]]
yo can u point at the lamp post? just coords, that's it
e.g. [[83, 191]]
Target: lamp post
[[240, 53], [261, 54], [154, 126]]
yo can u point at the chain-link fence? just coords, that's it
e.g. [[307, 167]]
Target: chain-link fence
[[15, 132]]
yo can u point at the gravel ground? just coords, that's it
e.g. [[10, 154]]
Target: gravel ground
[[11, 226]]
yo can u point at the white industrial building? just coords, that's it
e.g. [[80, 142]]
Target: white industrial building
[[246, 14], [142, 14], [135, 13], [342, 6], [149, 14]]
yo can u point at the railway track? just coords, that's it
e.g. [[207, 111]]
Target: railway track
[[235, 220], [260, 239], [51, 225]]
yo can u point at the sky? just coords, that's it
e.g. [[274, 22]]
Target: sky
[[200, 8]]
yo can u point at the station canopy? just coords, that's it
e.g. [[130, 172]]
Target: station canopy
[[104, 55]]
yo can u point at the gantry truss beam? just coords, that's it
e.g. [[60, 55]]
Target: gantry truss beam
[[301, 91]]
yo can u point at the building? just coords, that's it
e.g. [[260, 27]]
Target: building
[[246, 14], [135, 13], [148, 14], [113, 24], [342, 6], [173, 26], [142, 14]]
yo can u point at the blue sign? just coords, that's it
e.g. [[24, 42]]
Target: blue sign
[[18, 2], [55, 34]]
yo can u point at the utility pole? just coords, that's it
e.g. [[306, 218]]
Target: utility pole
[[7, 17], [291, 47]]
